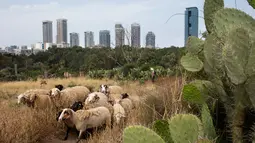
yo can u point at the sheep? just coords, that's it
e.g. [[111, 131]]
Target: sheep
[[97, 99], [119, 113], [85, 119], [24, 98], [126, 103], [76, 106], [114, 89], [40, 101], [59, 86], [112, 92], [68, 96]]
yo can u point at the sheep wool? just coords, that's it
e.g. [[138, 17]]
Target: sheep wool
[[119, 113], [41, 101], [68, 96], [85, 119]]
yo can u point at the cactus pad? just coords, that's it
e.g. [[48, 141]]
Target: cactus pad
[[236, 53], [194, 45], [191, 63], [140, 134], [204, 141], [197, 91], [161, 127], [250, 66], [185, 128], [228, 18], [249, 87], [213, 56], [251, 3], [210, 7], [207, 121]]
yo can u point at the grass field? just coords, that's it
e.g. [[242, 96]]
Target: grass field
[[21, 124]]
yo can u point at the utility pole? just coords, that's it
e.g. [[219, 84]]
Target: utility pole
[[15, 69]]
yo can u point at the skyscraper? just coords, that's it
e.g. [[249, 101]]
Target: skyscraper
[[62, 31], [119, 35], [47, 32], [89, 39], [191, 23], [135, 35], [150, 39], [104, 38], [74, 39]]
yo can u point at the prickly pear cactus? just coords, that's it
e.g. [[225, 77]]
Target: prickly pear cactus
[[207, 121], [235, 55], [194, 45], [191, 63], [185, 128], [161, 127], [226, 19], [204, 141], [210, 7], [140, 134], [197, 91], [251, 3]]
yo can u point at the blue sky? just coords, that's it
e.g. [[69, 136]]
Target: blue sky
[[21, 22]]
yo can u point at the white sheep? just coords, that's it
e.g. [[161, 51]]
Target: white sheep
[[68, 96], [85, 119], [127, 104], [119, 114], [97, 99], [25, 97], [40, 101], [113, 89]]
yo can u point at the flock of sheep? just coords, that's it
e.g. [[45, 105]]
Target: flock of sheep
[[80, 108]]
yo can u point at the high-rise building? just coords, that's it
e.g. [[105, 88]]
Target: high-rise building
[[47, 32], [135, 35], [150, 40], [62, 31], [74, 39], [119, 35], [104, 38], [89, 39], [191, 23]]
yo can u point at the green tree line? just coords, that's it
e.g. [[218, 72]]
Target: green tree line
[[56, 61]]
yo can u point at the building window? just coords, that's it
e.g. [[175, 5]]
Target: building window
[[189, 14], [189, 24]]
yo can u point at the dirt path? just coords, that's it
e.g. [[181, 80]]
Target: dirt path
[[58, 139]]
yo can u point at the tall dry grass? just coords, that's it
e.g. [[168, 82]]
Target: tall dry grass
[[21, 124]]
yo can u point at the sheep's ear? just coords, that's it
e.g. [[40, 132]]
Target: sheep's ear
[[33, 97], [96, 97]]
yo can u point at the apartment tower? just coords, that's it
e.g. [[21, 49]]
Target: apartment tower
[[119, 35], [89, 39], [47, 31], [191, 23], [62, 31], [104, 38], [135, 35]]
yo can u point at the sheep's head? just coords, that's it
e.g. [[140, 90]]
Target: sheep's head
[[92, 98], [124, 95], [77, 105], [104, 88], [65, 114], [21, 99], [55, 92], [59, 86]]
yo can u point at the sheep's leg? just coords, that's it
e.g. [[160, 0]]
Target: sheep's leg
[[80, 135], [67, 132]]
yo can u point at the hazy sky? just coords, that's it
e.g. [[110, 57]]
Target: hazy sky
[[21, 20]]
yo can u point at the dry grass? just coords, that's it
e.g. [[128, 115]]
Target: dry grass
[[22, 124]]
